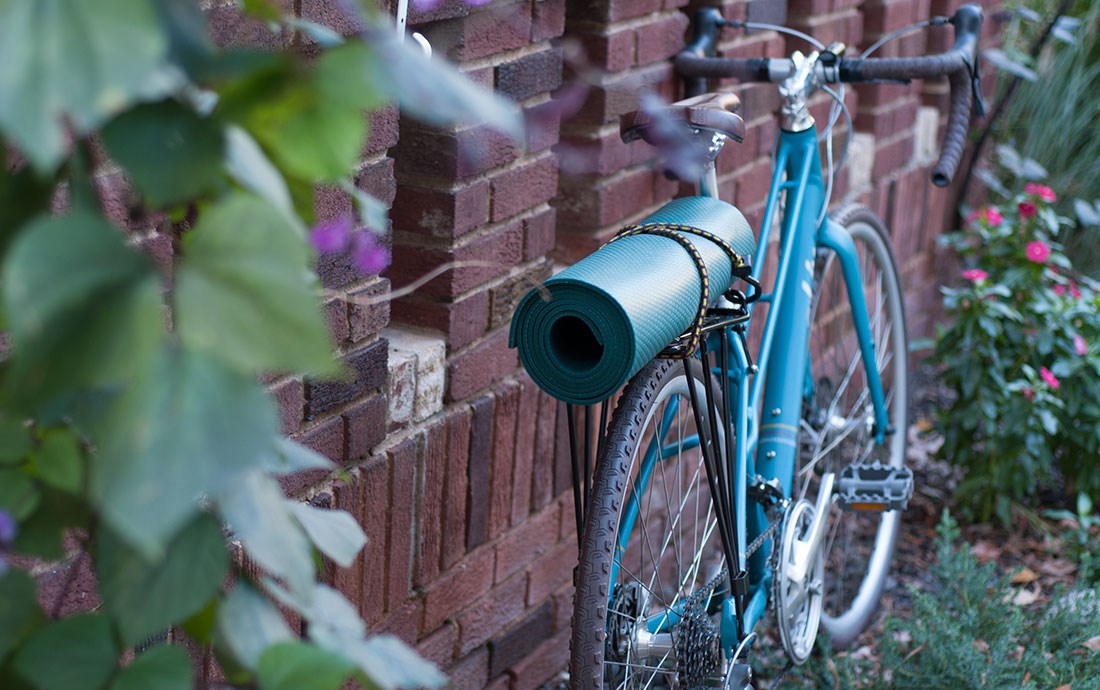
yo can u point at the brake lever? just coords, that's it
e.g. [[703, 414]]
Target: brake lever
[[976, 86]]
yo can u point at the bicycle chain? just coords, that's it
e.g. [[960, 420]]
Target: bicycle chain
[[696, 639]]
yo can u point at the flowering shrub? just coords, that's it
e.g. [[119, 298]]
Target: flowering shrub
[[1022, 354]]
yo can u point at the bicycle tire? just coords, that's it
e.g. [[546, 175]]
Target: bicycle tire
[[649, 396], [858, 546]]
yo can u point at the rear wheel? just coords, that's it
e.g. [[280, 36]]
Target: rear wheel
[[651, 542], [837, 421]]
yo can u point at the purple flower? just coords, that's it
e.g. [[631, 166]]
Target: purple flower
[[1080, 345], [8, 528], [333, 235], [368, 256]]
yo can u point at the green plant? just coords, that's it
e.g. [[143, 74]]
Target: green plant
[[132, 419], [1021, 352], [1078, 533]]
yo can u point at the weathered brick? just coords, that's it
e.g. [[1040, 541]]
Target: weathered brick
[[289, 395], [429, 152], [429, 528], [542, 664], [523, 544], [402, 460], [552, 570], [349, 497], [384, 130], [404, 623], [480, 258], [441, 212], [489, 615], [456, 486], [599, 152], [538, 234], [367, 372], [479, 472], [887, 120], [230, 27], [611, 49], [472, 671], [548, 20], [439, 647], [542, 470], [484, 32], [460, 586], [365, 320], [892, 155], [462, 322], [480, 366], [336, 314], [530, 75], [375, 480], [366, 426], [661, 39], [69, 587], [327, 438], [563, 465], [523, 468], [377, 180], [524, 187], [520, 640], [588, 203], [607, 11], [505, 297], [619, 93], [427, 13], [753, 184], [504, 443]]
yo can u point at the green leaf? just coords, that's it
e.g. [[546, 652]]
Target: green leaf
[[22, 197], [264, 9], [257, 514], [146, 597], [190, 428], [164, 667], [76, 653], [170, 153], [315, 127], [18, 494], [74, 61], [245, 293], [247, 163], [392, 664], [18, 609], [335, 533], [201, 625], [301, 666], [83, 308], [15, 441], [432, 91], [59, 461], [189, 44], [42, 533], [248, 624], [289, 457]]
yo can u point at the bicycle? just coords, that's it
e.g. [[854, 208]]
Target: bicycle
[[791, 465]]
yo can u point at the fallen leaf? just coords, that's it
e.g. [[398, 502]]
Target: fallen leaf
[[864, 652], [1024, 576], [1017, 654], [1067, 686], [981, 645], [985, 551], [1058, 567], [903, 637], [1024, 596], [1027, 677], [1093, 643]]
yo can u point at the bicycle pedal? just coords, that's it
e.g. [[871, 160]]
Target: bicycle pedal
[[874, 487]]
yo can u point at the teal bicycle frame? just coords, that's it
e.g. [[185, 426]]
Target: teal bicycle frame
[[766, 409]]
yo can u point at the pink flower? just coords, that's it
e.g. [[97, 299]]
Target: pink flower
[[1027, 209], [992, 216], [1037, 251], [331, 236], [1059, 290], [368, 256], [975, 274], [1040, 190], [1080, 345], [1073, 290], [1029, 393], [1051, 379]]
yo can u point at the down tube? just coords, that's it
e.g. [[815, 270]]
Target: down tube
[[782, 400]]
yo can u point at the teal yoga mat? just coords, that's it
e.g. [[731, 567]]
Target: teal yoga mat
[[614, 310]]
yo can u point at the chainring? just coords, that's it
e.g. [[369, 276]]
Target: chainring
[[797, 604]]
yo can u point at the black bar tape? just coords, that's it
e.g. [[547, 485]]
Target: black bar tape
[[741, 69], [954, 139]]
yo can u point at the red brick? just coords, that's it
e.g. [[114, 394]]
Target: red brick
[[504, 444], [441, 213], [366, 426], [405, 622], [377, 180], [327, 438], [661, 39], [375, 479], [586, 203], [530, 75], [892, 156], [613, 10], [439, 647], [489, 615], [538, 234], [611, 49], [552, 570], [543, 664], [289, 395], [365, 320], [336, 314], [69, 587], [429, 528], [470, 672], [494, 251], [620, 93], [462, 322], [349, 496], [542, 470], [525, 187], [485, 32], [520, 640], [753, 184], [520, 546], [402, 460], [602, 152], [367, 372], [543, 122], [458, 588], [479, 470], [480, 366], [523, 469], [887, 120], [563, 466], [883, 16], [384, 130], [429, 152], [846, 27], [457, 486], [333, 14], [548, 20], [447, 9], [230, 27], [800, 8]]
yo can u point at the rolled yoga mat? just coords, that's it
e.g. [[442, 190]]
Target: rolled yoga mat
[[614, 310]]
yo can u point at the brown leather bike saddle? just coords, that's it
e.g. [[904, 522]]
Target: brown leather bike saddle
[[715, 112]]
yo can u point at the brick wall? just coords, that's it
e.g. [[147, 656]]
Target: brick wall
[[457, 464]]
